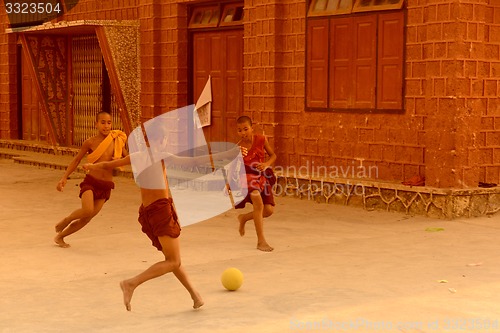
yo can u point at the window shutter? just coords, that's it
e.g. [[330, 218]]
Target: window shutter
[[317, 64], [341, 63], [390, 61], [364, 72]]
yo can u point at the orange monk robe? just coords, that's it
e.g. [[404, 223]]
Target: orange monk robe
[[115, 136]]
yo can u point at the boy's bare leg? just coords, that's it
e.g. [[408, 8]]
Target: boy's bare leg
[[63, 224], [243, 219], [181, 275], [78, 224], [60, 242], [258, 220], [85, 211], [71, 229], [268, 210], [170, 248]]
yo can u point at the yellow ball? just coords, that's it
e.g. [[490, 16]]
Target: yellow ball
[[232, 279]]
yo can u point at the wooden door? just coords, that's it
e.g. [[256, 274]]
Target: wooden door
[[34, 127], [220, 55]]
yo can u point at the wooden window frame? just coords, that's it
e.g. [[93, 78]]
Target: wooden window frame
[[387, 69], [220, 11], [214, 10], [226, 9], [375, 6], [336, 10], [352, 6]]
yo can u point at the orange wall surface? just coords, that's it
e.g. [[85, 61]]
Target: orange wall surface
[[449, 130]]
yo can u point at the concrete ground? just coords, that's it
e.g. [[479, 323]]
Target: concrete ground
[[334, 268]]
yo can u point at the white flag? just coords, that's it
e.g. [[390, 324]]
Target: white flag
[[203, 105]]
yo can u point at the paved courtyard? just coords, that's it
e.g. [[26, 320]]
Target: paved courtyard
[[334, 268]]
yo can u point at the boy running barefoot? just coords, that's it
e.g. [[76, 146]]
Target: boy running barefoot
[[259, 174], [96, 188], [159, 222]]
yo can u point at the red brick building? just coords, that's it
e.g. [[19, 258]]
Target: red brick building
[[409, 87]]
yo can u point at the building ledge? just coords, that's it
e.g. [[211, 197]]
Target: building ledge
[[72, 27], [446, 203]]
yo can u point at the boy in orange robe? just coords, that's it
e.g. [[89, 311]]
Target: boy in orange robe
[[96, 188]]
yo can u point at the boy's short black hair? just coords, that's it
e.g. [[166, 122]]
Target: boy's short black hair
[[100, 113], [244, 119]]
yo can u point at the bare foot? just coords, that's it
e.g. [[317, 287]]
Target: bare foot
[[62, 225], [264, 247], [242, 225], [128, 291], [197, 301], [60, 241]]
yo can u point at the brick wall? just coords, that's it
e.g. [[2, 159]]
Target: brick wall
[[4, 72], [449, 131], [431, 70], [163, 57], [489, 135], [8, 83], [439, 136], [450, 60], [260, 63], [388, 145]]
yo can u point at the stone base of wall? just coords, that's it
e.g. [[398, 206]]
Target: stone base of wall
[[393, 197], [37, 147]]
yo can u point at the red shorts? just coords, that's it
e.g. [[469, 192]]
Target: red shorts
[[100, 188], [261, 183], [159, 219], [267, 198]]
